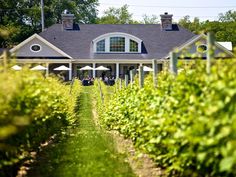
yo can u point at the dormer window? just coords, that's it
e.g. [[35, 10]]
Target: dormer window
[[117, 43], [133, 46], [101, 46]]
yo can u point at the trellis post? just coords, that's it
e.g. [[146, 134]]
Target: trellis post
[[4, 60], [210, 51], [132, 74], [120, 82], [173, 63], [126, 80], [154, 66], [141, 77]]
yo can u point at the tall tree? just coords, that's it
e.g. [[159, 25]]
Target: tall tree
[[224, 28], [25, 18], [153, 19], [229, 16], [185, 22], [194, 26], [85, 10], [117, 16]]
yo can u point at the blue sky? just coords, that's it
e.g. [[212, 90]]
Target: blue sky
[[204, 9]]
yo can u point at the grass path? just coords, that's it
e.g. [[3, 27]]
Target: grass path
[[85, 151]]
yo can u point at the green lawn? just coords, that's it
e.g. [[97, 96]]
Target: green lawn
[[84, 151]]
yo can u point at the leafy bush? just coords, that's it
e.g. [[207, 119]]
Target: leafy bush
[[32, 109], [187, 124], [102, 96]]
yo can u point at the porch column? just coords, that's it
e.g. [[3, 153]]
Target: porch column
[[94, 71], [74, 71], [70, 71], [117, 70], [47, 71]]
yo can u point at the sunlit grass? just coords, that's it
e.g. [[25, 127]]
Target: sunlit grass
[[83, 151]]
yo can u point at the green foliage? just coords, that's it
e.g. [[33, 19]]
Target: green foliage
[[229, 16], [116, 16], [187, 124], [224, 28], [25, 16], [150, 19], [85, 11], [32, 109], [103, 94], [194, 26], [83, 151]]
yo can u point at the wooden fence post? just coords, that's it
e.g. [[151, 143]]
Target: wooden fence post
[[131, 77], [71, 84], [116, 85], [126, 80], [47, 71], [154, 66], [210, 51], [141, 77], [100, 89], [173, 63], [120, 82], [4, 60]]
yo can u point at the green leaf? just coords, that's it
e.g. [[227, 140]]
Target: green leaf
[[226, 164]]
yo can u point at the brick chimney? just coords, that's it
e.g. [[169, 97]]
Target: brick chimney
[[166, 21], [67, 20]]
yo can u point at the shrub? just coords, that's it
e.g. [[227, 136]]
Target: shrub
[[187, 124], [33, 108]]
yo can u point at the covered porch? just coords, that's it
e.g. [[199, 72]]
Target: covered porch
[[117, 68]]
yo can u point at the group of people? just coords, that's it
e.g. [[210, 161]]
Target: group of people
[[87, 81], [90, 81], [109, 80]]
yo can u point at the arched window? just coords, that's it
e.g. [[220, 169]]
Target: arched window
[[117, 43], [133, 46], [101, 46]]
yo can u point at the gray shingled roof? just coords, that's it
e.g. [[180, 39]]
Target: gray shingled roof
[[78, 43]]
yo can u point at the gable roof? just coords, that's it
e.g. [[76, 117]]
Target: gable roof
[[227, 45], [198, 37], [14, 49], [156, 43]]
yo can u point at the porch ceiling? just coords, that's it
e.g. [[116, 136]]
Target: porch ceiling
[[40, 60]]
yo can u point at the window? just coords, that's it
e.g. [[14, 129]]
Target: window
[[101, 46], [202, 48], [133, 46], [35, 48], [117, 44]]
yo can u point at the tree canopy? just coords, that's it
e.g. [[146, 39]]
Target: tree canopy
[[117, 16], [23, 18], [229, 16], [123, 16], [224, 28], [153, 19]]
